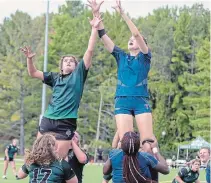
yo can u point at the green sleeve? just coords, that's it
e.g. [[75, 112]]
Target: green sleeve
[[107, 177], [25, 170], [50, 78], [82, 71], [183, 172]]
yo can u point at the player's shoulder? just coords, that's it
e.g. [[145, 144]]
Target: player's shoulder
[[185, 170], [9, 146], [114, 153], [62, 163]]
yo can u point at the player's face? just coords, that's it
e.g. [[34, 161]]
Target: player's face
[[14, 142], [132, 44], [195, 166], [204, 155], [69, 65]]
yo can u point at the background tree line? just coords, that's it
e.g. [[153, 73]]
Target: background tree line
[[179, 79]]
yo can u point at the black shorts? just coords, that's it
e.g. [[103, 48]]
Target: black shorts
[[10, 159], [63, 128], [100, 158]]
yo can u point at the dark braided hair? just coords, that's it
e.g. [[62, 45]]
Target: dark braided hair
[[130, 144]]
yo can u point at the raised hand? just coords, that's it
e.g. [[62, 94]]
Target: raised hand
[[27, 52], [95, 21], [95, 7], [118, 7]]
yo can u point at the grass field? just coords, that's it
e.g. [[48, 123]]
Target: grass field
[[92, 174]]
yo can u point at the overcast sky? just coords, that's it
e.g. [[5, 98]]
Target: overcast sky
[[134, 7]]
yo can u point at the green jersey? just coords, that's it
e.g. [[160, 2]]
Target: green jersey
[[187, 175], [56, 172], [12, 150], [67, 92]]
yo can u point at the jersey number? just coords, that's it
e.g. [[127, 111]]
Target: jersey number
[[44, 173]]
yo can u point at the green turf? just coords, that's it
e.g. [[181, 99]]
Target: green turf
[[92, 174]]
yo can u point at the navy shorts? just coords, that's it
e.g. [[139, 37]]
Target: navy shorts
[[133, 105], [63, 128]]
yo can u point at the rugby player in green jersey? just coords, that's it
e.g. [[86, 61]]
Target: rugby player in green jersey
[[67, 89], [189, 174], [10, 154], [42, 163]]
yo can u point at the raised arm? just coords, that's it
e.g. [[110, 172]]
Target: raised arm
[[81, 156], [134, 30], [162, 166], [92, 40], [33, 72], [108, 43], [107, 168]]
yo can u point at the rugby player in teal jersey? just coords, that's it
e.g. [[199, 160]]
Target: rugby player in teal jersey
[[132, 96]]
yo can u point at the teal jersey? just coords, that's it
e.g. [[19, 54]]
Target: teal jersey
[[187, 175], [12, 150], [67, 92], [132, 73], [56, 172]]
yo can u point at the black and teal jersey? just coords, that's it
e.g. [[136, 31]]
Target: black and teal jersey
[[12, 150], [67, 92], [187, 175], [56, 172]]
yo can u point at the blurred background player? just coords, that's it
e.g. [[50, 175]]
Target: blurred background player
[[100, 155], [189, 174], [10, 155], [204, 155]]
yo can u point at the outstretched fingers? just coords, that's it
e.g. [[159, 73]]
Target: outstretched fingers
[[118, 2], [27, 51], [89, 5], [101, 2], [94, 5], [116, 8], [24, 49]]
